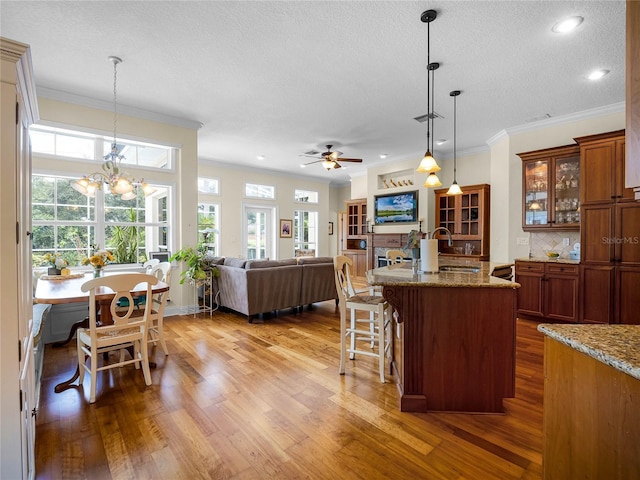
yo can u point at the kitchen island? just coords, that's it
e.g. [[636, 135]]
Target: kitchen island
[[591, 426], [453, 344]]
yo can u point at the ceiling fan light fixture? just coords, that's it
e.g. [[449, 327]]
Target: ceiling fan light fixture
[[328, 164], [432, 181]]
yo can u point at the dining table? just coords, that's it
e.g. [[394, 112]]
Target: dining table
[[61, 289]]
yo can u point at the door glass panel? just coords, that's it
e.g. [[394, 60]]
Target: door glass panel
[[258, 233], [536, 179]]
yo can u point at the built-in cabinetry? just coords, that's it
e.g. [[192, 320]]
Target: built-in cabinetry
[[548, 290], [633, 97], [466, 216], [551, 184], [17, 375], [354, 235], [610, 235]]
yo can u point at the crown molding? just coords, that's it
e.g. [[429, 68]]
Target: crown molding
[[559, 120], [122, 109]]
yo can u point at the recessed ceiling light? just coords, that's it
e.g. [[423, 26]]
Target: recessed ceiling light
[[442, 141], [597, 74], [383, 155], [260, 157], [302, 165], [567, 25]]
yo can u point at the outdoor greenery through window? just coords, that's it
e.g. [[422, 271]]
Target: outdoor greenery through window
[[71, 224], [305, 232], [207, 230]]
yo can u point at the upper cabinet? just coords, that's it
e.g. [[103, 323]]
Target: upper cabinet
[[356, 218], [551, 182], [603, 164], [466, 216]]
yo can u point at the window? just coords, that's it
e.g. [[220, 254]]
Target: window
[[208, 232], [67, 222], [306, 196], [305, 231], [259, 191], [209, 186], [86, 146]]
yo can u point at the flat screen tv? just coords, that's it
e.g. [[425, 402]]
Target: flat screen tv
[[396, 208]]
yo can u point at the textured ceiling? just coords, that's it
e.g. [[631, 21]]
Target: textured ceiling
[[281, 78]]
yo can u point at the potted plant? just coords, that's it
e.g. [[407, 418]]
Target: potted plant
[[413, 243], [198, 266]]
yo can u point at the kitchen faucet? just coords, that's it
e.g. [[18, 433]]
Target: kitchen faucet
[[446, 230]]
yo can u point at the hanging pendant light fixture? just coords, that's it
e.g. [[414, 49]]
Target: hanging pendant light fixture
[[119, 183], [454, 189], [428, 164]]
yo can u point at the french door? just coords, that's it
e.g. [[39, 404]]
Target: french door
[[258, 238]]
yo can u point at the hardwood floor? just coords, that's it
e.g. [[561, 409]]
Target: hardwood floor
[[235, 400]]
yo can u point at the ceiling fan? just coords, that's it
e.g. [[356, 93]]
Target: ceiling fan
[[331, 158]]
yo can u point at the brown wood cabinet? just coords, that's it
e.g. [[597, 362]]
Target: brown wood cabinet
[[548, 290], [603, 164], [551, 180], [610, 237], [466, 216], [353, 241]]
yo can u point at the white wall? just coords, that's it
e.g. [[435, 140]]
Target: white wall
[[231, 201]]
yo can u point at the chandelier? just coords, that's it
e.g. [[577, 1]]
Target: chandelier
[[118, 182]]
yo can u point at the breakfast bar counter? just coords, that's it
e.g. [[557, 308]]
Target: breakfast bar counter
[[591, 413], [453, 337]]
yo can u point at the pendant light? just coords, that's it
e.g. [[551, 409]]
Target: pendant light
[[454, 189], [118, 182], [428, 163]]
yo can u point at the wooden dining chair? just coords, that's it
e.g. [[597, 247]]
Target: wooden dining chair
[[162, 272], [127, 329], [394, 256], [375, 326]]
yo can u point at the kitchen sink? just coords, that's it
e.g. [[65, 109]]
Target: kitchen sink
[[459, 269]]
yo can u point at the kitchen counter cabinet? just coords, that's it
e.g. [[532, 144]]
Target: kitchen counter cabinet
[[454, 345], [548, 289], [591, 419]]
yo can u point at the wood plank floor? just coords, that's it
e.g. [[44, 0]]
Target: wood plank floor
[[235, 400]]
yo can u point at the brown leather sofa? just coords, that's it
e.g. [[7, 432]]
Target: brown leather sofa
[[254, 287]]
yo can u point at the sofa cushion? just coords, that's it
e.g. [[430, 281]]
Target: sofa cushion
[[214, 260], [269, 263], [234, 262], [310, 260]]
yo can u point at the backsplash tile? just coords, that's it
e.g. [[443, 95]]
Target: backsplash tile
[[541, 242]]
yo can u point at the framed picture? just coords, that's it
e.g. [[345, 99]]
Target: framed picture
[[286, 228], [330, 228]]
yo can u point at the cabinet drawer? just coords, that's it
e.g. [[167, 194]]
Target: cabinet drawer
[[562, 269], [533, 267]]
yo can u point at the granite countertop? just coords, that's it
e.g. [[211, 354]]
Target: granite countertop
[[402, 275], [549, 260], [613, 345]]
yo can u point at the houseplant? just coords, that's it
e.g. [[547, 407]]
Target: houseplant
[[198, 266]]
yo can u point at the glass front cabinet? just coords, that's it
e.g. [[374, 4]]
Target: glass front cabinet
[[551, 188]]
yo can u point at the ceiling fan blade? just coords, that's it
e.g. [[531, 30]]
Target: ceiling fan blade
[[337, 165], [357, 160], [316, 161]]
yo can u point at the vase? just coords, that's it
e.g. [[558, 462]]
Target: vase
[[97, 272], [53, 271]]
